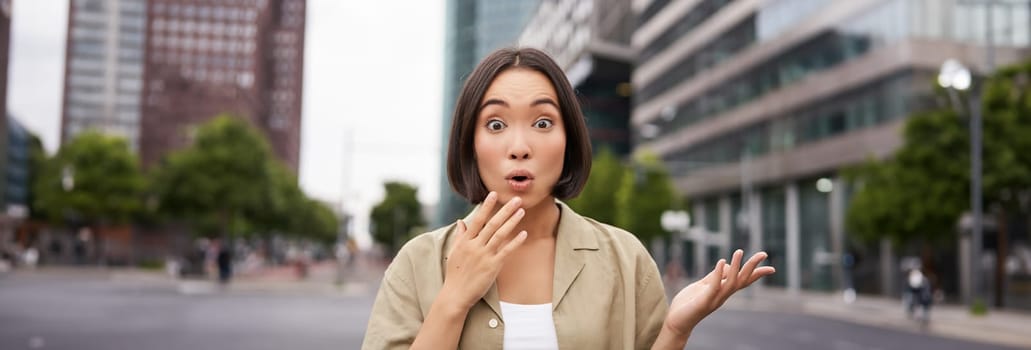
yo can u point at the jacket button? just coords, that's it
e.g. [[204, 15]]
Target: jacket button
[[493, 323]]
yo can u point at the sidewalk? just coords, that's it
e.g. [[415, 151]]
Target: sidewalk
[[360, 279], [948, 320]]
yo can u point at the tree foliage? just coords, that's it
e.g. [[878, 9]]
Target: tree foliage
[[227, 183], [396, 217], [598, 198], [920, 192], [37, 163], [94, 179], [646, 190]]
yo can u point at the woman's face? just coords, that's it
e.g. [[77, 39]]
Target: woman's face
[[520, 140]]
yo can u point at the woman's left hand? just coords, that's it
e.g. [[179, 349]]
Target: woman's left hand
[[704, 296]]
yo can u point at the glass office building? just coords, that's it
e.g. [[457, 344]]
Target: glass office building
[[756, 106], [474, 29]]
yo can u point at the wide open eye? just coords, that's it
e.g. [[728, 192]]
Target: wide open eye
[[544, 124], [495, 125]]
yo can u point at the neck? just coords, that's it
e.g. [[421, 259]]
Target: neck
[[540, 220]]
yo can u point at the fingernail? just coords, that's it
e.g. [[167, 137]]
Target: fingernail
[[520, 211], [492, 195]]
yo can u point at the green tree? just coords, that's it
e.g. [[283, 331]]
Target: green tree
[[599, 194], [92, 180], [37, 162], [315, 220], [396, 217], [646, 191], [223, 184], [919, 193]]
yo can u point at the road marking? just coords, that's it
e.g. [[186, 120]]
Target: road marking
[[36, 342], [805, 336], [196, 288], [845, 345]]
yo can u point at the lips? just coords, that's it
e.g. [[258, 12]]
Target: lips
[[519, 180]]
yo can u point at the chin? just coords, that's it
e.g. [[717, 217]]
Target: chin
[[530, 199]]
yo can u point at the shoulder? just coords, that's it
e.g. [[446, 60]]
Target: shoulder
[[619, 236], [425, 243], [606, 237], [415, 253]]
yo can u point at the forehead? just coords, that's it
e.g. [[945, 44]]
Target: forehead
[[518, 83]]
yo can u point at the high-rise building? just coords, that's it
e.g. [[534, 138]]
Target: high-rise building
[[104, 68], [757, 105], [208, 57], [5, 45], [590, 40], [6, 166], [474, 29], [151, 70]]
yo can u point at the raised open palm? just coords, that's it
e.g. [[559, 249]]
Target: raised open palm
[[701, 298]]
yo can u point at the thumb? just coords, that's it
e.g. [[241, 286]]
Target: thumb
[[458, 236]]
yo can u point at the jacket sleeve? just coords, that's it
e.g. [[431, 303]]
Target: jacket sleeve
[[651, 301], [396, 317]]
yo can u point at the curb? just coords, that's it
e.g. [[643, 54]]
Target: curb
[[951, 321]]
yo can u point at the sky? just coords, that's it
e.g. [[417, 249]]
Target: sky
[[373, 90]]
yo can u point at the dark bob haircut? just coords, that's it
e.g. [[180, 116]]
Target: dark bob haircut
[[462, 172]]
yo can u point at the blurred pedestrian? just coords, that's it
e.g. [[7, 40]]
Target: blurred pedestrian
[[523, 260], [224, 260], [31, 257], [920, 296]]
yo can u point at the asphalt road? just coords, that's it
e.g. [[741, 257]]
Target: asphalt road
[[91, 311]]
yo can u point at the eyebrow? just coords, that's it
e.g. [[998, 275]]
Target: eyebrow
[[537, 102]]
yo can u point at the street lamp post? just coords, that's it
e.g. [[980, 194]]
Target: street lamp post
[[677, 222], [956, 77]]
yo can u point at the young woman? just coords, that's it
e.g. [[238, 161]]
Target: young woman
[[523, 270]]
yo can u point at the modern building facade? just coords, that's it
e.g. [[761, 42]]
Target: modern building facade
[[104, 68], [151, 70], [7, 124], [5, 47], [474, 28], [207, 57], [757, 105], [590, 40]]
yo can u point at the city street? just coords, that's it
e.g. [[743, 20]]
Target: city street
[[87, 313], [87, 310]]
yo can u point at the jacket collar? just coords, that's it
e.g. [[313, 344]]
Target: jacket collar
[[575, 236]]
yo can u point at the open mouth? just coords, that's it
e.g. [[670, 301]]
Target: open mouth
[[519, 180]]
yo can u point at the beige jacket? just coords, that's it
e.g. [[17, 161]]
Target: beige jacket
[[607, 293]]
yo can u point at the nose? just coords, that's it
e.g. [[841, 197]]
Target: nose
[[519, 148]]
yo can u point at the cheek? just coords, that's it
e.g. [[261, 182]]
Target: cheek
[[556, 154]]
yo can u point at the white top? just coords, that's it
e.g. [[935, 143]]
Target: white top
[[529, 326]]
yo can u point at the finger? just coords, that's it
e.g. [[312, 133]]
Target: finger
[[716, 275], [480, 217], [498, 219], [460, 231], [512, 245], [714, 281], [732, 277], [505, 231], [760, 272], [750, 266]]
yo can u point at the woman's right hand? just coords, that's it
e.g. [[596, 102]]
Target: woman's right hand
[[479, 250]]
